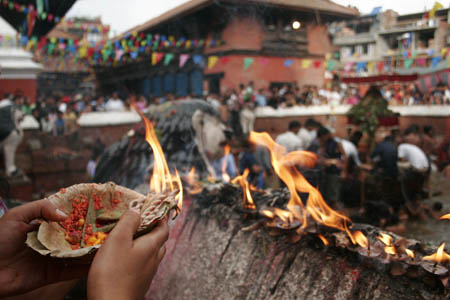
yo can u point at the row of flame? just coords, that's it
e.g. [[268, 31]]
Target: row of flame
[[284, 166]]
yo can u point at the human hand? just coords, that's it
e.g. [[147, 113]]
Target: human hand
[[21, 268], [124, 268]]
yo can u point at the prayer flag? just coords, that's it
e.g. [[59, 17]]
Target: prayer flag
[[212, 61], [248, 61]]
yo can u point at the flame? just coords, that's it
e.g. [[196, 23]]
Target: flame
[[225, 176], [267, 213], [323, 239], [439, 256], [410, 253], [361, 239], [317, 208], [194, 185], [390, 250], [162, 180], [242, 180], [299, 158], [445, 217], [385, 238]]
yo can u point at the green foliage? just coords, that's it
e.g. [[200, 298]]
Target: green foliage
[[368, 111]]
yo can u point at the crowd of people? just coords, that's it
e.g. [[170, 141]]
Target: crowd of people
[[289, 95], [58, 114], [386, 185]]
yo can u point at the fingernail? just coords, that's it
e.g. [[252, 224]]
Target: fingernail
[[61, 213]]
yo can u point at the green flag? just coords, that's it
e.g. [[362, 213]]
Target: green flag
[[248, 61]]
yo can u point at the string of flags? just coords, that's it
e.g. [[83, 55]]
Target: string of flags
[[409, 59]]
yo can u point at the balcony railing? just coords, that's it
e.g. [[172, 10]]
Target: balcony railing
[[360, 38]]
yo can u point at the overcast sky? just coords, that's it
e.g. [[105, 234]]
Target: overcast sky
[[124, 14]]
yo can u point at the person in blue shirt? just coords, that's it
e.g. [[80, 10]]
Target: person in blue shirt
[[60, 125], [247, 160], [230, 169]]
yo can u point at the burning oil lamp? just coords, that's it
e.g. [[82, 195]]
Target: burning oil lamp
[[389, 248], [411, 255], [445, 217], [248, 202], [439, 257], [362, 240]]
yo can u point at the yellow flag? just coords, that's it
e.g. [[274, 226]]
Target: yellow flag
[[154, 58], [370, 66], [212, 61], [436, 6], [188, 43], [306, 63], [83, 51], [443, 51]]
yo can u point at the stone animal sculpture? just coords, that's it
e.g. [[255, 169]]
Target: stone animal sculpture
[[10, 134], [191, 135]]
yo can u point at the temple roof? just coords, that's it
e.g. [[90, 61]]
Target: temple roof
[[322, 6]]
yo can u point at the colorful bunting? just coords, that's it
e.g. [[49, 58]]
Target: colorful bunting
[[380, 66], [198, 59], [370, 66], [435, 61], [212, 61], [157, 57], [288, 62], [408, 62], [224, 60], [348, 66], [248, 61], [361, 66], [331, 64], [183, 59], [306, 63], [263, 61], [168, 58]]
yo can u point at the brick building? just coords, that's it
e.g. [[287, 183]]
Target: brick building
[[268, 33]]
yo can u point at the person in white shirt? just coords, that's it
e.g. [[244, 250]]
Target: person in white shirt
[[350, 149], [290, 140], [414, 155], [115, 103], [308, 133], [351, 156]]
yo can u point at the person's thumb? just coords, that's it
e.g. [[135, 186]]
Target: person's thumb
[[42, 209], [126, 227]]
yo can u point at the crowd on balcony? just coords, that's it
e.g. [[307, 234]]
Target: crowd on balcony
[[58, 115]]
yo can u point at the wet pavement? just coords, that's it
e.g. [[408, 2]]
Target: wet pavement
[[431, 230]]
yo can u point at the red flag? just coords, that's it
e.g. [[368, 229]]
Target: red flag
[[317, 64], [380, 66], [224, 60]]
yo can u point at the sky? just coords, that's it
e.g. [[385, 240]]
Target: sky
[[122, 15]]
